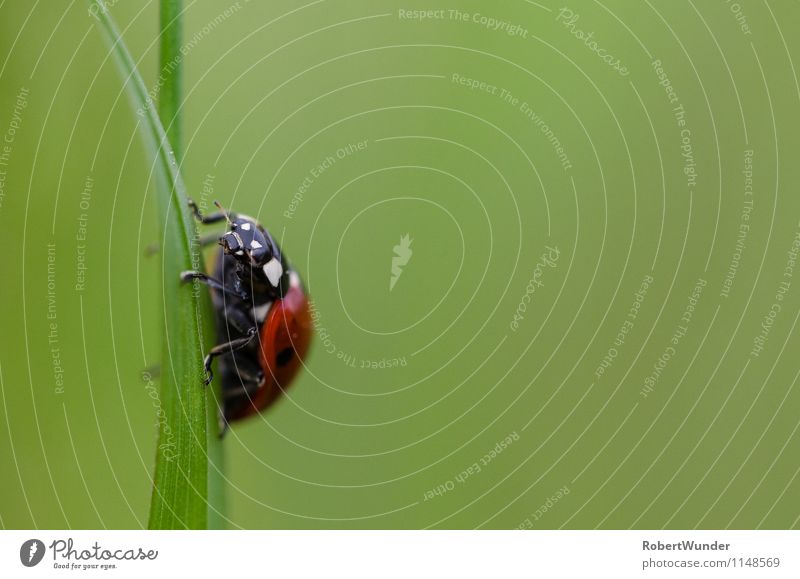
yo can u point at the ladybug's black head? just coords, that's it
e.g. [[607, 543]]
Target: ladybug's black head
[[254, 249], [246, 240]]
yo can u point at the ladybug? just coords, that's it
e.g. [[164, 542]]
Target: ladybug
[[263, 319]]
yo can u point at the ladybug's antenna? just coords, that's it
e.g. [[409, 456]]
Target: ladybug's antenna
[[225, 213]]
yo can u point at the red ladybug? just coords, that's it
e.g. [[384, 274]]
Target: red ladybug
[[263, 318]]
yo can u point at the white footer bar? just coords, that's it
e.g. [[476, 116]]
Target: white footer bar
[[414, 554]]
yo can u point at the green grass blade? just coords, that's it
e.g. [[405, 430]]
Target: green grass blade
[[171, 71], [187, 426]]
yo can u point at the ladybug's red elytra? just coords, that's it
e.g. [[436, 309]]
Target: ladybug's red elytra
[[262, 315]]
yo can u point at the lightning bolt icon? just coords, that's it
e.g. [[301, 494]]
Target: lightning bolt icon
[[402, 254]]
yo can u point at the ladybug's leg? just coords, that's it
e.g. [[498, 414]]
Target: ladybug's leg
[[240, 382], [226, 348], [236, 322], [241, 379], [211, 282], [249, 385]]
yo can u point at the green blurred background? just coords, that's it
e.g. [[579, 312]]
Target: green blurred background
[[273, 89]]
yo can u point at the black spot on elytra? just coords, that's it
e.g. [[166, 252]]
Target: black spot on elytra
[[284, 356]]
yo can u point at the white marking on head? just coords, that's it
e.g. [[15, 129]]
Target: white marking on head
[[255, 245], [273, 270], [260, 312], [240, 252], [246, 226]]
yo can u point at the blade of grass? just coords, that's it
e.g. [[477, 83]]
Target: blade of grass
[[187, 426], [169, 108], [171, 71]]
